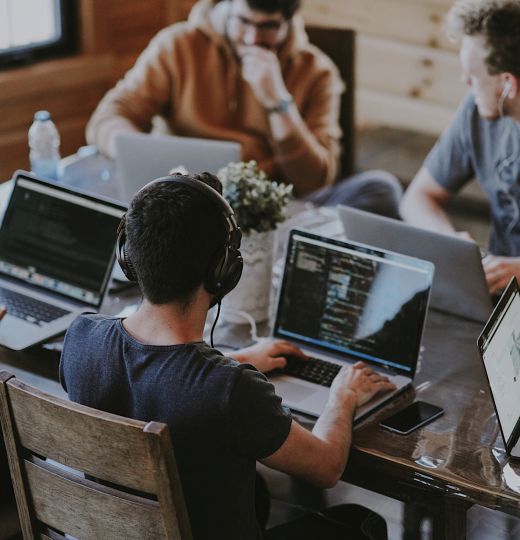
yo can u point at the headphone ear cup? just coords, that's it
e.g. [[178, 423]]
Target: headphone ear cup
[[234, 270], [224, 272], [128, 268], [121, 252], [212, 281]]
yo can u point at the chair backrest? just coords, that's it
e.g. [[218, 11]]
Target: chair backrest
[[339, 46], [129, 488]]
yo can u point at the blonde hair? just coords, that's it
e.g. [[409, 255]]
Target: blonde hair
[[498, 22]]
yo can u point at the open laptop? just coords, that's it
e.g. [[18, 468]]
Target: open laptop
[[459, 286], [344, 302], [142, 157], [56, 255], [499, 346]]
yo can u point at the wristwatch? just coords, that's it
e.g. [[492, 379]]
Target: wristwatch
[[282, 106]]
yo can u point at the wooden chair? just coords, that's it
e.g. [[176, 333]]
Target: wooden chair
[[137, 494], [339, 46]]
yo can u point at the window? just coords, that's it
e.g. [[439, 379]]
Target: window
[[34, 29]]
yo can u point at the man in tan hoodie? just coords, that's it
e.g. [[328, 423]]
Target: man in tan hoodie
[[244, 70]]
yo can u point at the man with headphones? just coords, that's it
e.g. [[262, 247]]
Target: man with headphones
[[179, 240], [483, 139]]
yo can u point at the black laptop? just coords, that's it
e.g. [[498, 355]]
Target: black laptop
[[57, 250], [342, 302]]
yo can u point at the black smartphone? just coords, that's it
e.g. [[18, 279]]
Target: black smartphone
[[412, 417]]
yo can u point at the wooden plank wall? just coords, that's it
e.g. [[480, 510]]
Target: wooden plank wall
[[112, 33], [407, 71]]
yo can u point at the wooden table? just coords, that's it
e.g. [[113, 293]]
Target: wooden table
[[443, 468], [458, 460], [454, 462]]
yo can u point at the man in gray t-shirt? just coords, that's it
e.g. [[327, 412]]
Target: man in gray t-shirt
[[483, 139], [179, 240]]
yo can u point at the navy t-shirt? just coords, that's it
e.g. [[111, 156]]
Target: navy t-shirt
[[489, 150], [222, 415]]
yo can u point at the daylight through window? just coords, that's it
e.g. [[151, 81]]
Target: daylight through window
[[31, 29], [26, 23]]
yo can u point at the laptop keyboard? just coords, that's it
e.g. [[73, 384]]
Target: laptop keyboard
[[29, 309], [313, 370]]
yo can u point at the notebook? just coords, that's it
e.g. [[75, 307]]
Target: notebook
[[459, 286], [342, 302], [56, 256], [499, 346], [142, 157]]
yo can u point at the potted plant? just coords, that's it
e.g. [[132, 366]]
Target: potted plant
[[259, 205]]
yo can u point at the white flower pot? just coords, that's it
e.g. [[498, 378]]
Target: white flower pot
[[253, 291]]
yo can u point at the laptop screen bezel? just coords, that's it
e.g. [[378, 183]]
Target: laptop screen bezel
[[23, 175], [362, 248], [486, 334]]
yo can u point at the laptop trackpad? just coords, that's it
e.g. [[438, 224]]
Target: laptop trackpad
[[293, 392], [302, 395]]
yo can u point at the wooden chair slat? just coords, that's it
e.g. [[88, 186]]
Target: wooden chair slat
[[114, 450], [72, 506]]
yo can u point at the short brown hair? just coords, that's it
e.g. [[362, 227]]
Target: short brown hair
[[173, 235], [498, 22], [287, 7]]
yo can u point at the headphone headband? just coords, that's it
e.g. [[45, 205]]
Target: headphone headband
[[201, 187]]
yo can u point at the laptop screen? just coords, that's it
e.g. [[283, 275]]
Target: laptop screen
[[352, 299], [499, 346], [59, 240]]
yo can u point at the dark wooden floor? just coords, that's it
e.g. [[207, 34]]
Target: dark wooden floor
[[402, 153]]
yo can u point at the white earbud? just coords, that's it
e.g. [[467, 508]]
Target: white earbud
[[506, 88]]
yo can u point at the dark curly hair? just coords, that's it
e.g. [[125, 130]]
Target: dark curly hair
[[498, 22]]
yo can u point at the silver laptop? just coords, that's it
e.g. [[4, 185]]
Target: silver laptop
[[56, 255], [499, 346], [459, 286], [344, 302], [142, 157]]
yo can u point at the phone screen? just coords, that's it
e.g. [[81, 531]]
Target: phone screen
[[412, 417]]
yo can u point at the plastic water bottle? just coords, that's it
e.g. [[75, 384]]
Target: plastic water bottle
[[44, 144]]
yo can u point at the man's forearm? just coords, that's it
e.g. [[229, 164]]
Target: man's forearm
[[306, 163], [422, 212], [423, 203], [103, 135], [334, 428]]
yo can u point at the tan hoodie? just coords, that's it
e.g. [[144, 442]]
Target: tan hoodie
[[189, 75]]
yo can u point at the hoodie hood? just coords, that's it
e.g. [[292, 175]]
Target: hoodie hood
[[210, 18]]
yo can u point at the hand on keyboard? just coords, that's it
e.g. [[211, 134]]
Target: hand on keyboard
[[268, 355], [311, 369], [362, 381]]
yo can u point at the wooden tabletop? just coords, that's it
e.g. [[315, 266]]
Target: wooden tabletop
[[448, 465]]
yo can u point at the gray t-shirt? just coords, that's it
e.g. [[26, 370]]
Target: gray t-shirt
[[222, 415], [488, 150]]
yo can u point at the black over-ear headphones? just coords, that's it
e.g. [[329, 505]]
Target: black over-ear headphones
[[225, 269]]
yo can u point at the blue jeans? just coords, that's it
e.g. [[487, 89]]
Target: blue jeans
[[373, 191], [344, 522]]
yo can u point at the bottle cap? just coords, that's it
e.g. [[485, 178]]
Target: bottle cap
[[42, 116]]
